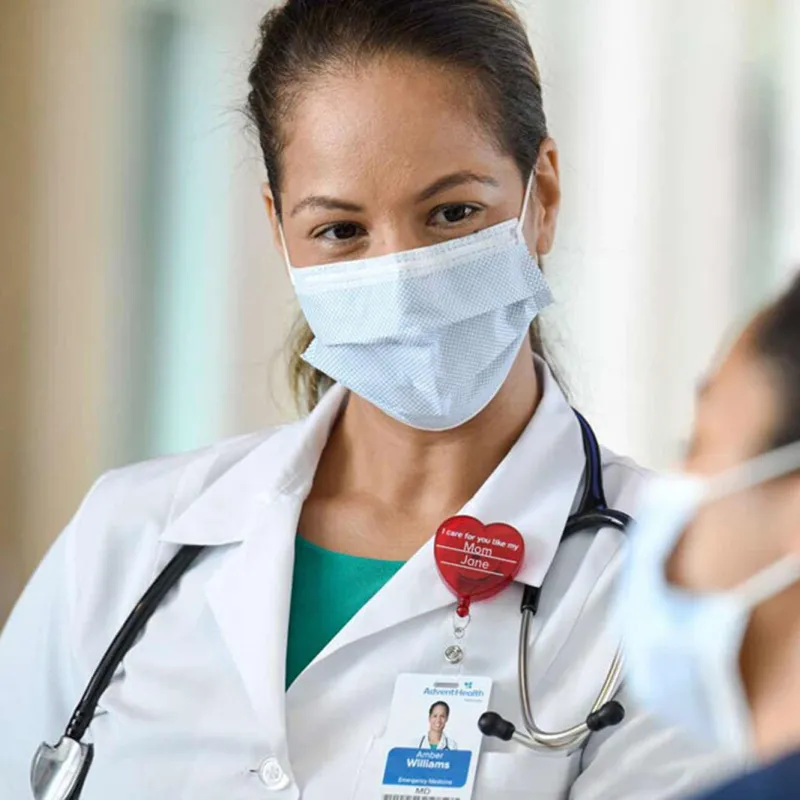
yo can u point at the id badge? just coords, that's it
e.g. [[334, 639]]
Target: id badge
[[433, 737]]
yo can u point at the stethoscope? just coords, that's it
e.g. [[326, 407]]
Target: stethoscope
[[445, 740], [593, 513], [58, 772]]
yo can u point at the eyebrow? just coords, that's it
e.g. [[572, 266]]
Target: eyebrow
[[440, 185], [452, 181], [327, 203]]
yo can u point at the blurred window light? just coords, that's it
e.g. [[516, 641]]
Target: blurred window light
[[171, 378]]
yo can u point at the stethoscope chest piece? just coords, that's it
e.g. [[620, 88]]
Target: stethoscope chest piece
[[58, 772]]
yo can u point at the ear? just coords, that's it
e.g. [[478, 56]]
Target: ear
[[272, 214], [547, 195]]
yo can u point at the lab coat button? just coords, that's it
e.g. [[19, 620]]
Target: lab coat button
[[272, 775]]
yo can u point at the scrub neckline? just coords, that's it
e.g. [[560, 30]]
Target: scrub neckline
[[300, 540]]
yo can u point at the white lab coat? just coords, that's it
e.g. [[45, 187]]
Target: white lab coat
[[446, 743], [200, 701]]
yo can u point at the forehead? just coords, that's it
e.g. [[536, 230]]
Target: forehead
[[737, 410], [394, 119]]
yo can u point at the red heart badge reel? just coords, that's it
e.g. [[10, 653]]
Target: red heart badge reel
[[477, 561]]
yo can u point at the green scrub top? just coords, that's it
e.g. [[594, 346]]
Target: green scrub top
[[328, 588]]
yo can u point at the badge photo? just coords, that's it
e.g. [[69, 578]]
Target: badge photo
[[433, 736]]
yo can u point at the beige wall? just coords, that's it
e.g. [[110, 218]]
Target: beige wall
[[73, 206], [64, 138], [16, 164], [56, 111]]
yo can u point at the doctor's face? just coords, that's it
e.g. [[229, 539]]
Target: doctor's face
[[738, 411], [438, 719], [395, 155]]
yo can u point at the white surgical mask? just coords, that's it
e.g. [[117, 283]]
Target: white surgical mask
[[427, 335], [682, 648]]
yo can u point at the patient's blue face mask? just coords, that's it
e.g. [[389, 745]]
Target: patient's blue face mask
[[682, 648], [427, 335]]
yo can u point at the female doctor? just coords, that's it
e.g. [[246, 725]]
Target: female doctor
[[399, 138]]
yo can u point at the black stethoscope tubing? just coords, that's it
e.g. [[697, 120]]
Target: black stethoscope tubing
[[593, 512], [126, 637]]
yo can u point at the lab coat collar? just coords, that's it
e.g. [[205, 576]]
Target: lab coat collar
[[258, 502], [533, 488], [283, 466]]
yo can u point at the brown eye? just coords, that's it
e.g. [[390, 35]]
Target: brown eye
[[456, 213], [340, 232], [453, 214]]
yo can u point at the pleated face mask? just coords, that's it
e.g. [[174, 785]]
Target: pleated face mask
[[427, 335]]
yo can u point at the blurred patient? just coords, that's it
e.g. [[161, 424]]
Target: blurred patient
[[710, 599]]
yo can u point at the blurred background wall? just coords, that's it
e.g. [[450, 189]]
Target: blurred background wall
[[143, 306]]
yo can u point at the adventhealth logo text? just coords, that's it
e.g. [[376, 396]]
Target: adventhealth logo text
[[451, 691]]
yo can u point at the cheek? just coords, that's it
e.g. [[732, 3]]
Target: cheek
[[703, 559], [722, 547]]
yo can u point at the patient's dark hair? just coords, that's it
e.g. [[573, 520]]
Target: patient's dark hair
[[483, 40], [777, 340]]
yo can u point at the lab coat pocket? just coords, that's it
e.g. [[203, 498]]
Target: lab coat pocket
[[525, 775]]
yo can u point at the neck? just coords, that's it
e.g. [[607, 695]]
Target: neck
[[425, 475], [434, 737], [770, 664]]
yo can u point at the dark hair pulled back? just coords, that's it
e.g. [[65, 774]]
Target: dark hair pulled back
[[777, 340], [485, 40], [440, 704]]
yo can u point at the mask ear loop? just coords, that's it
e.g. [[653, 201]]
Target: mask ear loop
[[285, 248], [763, 468], [525, 201], [770, 581], [766, 467]]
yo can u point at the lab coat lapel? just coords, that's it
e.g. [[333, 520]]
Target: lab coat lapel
[[533, 489], [414, 590], [258, 503], [254, 508], [249, 598]]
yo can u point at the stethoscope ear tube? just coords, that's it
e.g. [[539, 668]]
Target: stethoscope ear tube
[[594, 520], [126, 636], [59, 771]]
